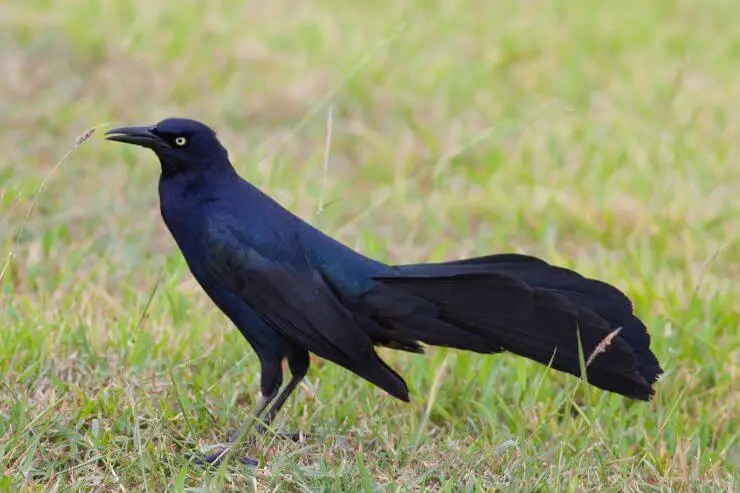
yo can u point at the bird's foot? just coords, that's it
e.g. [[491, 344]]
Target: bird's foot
[[216, 457], [218, 453]]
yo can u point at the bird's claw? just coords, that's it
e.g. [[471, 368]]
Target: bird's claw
[[294, 436], [248, 461], [217, 457]]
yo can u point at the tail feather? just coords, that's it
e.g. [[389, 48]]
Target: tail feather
[[600, 297], [522, 305]]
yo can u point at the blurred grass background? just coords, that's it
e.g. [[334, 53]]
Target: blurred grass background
[[603, 136]]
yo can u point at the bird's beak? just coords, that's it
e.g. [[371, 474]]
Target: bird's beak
[[140, 136]]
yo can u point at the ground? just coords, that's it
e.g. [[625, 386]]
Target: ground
[[603, 136]]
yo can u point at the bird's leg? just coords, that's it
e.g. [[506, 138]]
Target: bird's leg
[[271, 379], [275, 408], [216, 457], [298, 363], [243, 430]]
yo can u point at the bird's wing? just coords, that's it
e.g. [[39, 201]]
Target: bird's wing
[[298, 304]]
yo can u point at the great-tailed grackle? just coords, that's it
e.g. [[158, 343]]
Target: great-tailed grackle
[[291, 290]]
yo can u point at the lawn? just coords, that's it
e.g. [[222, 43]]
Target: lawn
[[602, 136]]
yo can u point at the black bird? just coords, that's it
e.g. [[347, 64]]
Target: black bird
[[291, 290]]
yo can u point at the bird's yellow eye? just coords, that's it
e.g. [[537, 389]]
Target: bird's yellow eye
[[180, 141]]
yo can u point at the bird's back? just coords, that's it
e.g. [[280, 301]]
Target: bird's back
[[189, 204]]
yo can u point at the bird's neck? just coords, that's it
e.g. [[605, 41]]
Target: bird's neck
[[213, 166], [195, 181]]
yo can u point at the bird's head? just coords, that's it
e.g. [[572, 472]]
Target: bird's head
[[182, 145]]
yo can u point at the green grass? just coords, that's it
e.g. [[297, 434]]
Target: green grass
[[603, 136]]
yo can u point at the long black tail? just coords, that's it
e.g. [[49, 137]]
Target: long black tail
[[525, 306]]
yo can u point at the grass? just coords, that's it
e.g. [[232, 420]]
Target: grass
[[603, 136]]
